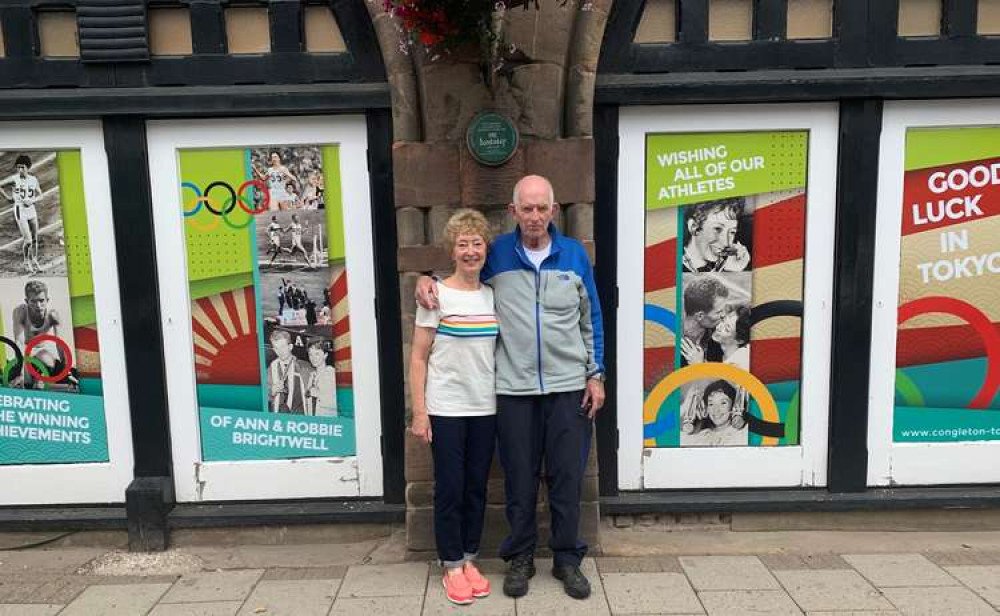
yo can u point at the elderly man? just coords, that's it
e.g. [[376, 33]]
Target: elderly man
[[549, 380]]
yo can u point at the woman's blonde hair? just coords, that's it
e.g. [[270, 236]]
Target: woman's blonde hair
[[466, 222]]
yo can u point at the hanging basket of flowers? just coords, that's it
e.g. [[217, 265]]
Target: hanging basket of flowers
[[445, 25]]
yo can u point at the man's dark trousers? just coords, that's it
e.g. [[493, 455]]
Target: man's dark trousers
[[552, 427]]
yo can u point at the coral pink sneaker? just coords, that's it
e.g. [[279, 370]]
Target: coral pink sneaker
[[480, 585], [457, 588]]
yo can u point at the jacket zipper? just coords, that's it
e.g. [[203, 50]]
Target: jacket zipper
[[538, 327], [519, 250]]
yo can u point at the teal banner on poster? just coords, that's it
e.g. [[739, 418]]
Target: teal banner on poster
[[922, 424], [228, 434], [39, 427]]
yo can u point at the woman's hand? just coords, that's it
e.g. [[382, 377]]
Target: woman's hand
[[738, 261], [692, 409], [692, 352], [737, 417], [421, 427]]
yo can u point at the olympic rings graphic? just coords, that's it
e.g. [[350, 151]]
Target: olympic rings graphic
[[197, 226], [776, 308], [197, 192], [264, 192], [757, 390], [979, 322], [230, 203], [232, 225], [66, 351], [905, 386], [661, 316], [242, 196], [34, 364], [769, 429], [14, 366]]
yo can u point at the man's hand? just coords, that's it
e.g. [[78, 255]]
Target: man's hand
[[421, 428], [593, 397], [426, 293], [692, 351]]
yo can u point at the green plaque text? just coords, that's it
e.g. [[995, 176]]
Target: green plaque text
[[492, 138]]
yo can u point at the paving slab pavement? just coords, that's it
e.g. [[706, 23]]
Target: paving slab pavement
[[116, 600], [650, 593], [951, 575], [741, 602], [943, 601], [728, 573], [885, 570], [213, 586], [983, 580], [219, 608], [19, 609]]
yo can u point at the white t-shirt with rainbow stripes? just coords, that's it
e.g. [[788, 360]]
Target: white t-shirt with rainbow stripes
[[460, 370]]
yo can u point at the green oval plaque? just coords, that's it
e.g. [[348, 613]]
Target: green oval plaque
[[492, 138]]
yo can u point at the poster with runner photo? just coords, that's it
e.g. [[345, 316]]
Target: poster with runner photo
[[293, 174], [52, 410], [288, 241], [34, 284], [270, 319], [31, 240]]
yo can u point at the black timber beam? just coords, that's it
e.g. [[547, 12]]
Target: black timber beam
[[606, 274], [287, 26], [150, 495], [789, 85], [693, 22], [770, 20], [62, 518], [617, 49], [959, 17], [208, 27], [193, 102], [359, 36], [660, 58], [387, 305], [853, 276], [285, 513], [725, 501], [20, 36]]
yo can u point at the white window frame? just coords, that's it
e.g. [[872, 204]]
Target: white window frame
[[194, 479], [892, 463], [747, 467], [100, 482]]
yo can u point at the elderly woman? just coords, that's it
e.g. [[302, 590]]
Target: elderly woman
[[710, 237], [714, 416], [454, 402]]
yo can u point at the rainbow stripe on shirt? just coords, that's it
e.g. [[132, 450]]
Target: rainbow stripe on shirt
[[469, 326]]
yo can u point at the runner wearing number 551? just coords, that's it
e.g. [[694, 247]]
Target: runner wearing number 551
[[25, 191]]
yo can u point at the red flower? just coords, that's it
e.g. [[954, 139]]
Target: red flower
[[428, 38]]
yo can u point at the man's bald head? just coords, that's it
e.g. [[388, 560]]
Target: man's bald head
[[533, 209], [532, 183]]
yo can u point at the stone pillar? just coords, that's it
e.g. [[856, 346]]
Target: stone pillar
[[545, 84]]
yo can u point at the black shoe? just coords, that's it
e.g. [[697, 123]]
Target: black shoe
[[574, 581], [522, 569]]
